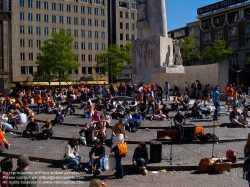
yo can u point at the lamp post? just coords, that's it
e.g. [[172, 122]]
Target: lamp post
[[238, 76]]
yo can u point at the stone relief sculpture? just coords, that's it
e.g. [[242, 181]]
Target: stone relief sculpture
[[141, 7], [177, 52]]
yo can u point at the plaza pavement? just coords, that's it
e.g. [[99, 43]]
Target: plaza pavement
[[185, 156]]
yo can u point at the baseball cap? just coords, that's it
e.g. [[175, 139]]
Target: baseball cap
[[23, 159]]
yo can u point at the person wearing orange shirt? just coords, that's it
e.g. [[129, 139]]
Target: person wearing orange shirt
[[3, 141], [229, 91], [235, 97], [38, 101]]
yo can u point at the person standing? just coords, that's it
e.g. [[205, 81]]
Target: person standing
[[167, 89], [21, 177], [199, 89], [38, 101], [216, 100], [186, 87]]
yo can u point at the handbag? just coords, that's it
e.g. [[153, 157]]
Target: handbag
[[123, 149], [112, 162]]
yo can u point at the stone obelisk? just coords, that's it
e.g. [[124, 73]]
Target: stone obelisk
[[153, 50]]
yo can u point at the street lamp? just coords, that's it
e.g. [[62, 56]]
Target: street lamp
[[238, 75]]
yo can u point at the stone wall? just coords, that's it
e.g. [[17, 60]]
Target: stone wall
[[213, 74]]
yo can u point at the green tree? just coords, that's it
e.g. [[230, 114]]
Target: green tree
[[217, 53], [57, 59], [111, 62], [187, 50]]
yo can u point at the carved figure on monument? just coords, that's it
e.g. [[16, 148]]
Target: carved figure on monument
[[141, 7], [127, 65], [177, 52]]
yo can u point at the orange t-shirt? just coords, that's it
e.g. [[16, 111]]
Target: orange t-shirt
[[235, 95], [1, 136]]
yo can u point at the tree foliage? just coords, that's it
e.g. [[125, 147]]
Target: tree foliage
[[57, 58], [111, 62], [187, 50], [217, 53]]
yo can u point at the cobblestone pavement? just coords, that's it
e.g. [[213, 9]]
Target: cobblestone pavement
[[160, 179]]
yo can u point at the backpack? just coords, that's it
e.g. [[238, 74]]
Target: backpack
[[231, 156], [199, 130]]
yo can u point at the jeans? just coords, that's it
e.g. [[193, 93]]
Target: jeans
[[174, 107], [70, 162], [153, 109], [216, 105], [7, 126], [180, 128], [99, 163], [1, 149], [118, 167], [32, 134], [38, 108], [140, 162], [167, 95], [48, 133], [135, 125]]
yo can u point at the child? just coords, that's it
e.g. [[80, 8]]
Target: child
[[87, 130]]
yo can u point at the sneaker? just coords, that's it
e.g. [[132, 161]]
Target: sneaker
[[98, 172], [64, 167]]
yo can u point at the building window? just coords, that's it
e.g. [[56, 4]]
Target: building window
[[38, 4], [96, 34], [123, 4], [38, 30], [21, 3], [53, 29], [22, 43], [127, 37], [38, 43], [46, 18], [61, 19], [83, 58], [121, 14], [102, 23], [21, 16], [103, 35], [82, 9], [89, 46], [126, 14], [29, 3], [82, 21], [127, 26], [68, 20], [234, 61], [85, 1], [75, 45], [22, 56], [76, 21], [46, 5], [26, 70], [121, 25], [219, 33], [206, 36], [89, 34], [132, 36], [89, 22], [29, 16], [233, 44], [89, 10], [233, 31], [219, 21], [46, 31], [83, 45], [68, 8], [206, 47], [22, 29], [90, 69], [121, 36], [132, 26], [30, 42], [53, 6], [103, 47], [206, 24], [100, 2], [84, 70], [30, 30], [233, 17], [53, 19], [90, 58], [83, 33], [60, 6], [133, 6], [96, 46], [102, 12], [96, 11], [75, 7], [30, 56], [96, 23], [75, 33], [132, 15], [38, 17], [68, 31], [248, 28]]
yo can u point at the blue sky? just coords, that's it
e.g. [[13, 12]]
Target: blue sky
[[180, 12]]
